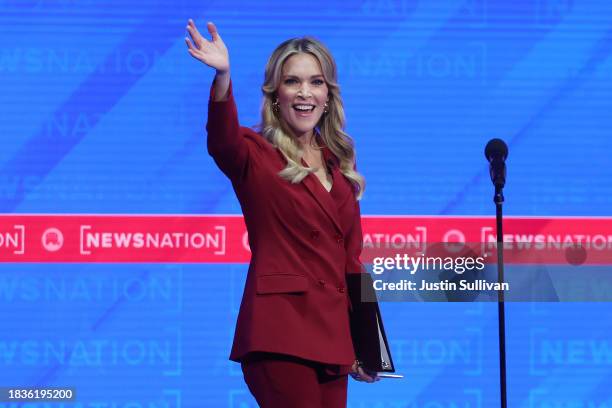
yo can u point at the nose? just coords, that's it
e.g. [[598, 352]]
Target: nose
[[304, 91]]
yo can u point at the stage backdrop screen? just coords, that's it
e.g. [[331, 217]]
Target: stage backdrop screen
[[103, 111]]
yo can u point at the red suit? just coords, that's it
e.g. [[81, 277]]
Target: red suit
[[303, 240]]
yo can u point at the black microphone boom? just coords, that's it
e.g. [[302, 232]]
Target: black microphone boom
[[496, 153]]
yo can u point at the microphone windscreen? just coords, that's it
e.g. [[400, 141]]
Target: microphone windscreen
[[496, 148]]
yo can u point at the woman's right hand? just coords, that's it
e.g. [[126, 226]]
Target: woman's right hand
[[212, 53], [360, 374]]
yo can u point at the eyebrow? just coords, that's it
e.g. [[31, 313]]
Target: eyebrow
[[312, 77]]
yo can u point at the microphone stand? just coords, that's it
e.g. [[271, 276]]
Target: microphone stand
[[501, 312]]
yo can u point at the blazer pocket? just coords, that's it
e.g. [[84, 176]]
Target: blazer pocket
[[281, 283]]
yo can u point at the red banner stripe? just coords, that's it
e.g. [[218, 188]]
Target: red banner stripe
[[113, 238]]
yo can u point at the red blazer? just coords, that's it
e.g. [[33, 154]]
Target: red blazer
[[303, 241]]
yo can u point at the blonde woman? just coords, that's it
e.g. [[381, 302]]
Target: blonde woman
[[296, 182]]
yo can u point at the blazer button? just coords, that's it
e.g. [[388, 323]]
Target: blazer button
[[314, 234], [339, 239], [341, 289], [321, 282]]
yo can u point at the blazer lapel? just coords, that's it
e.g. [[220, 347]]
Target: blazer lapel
[[318, 192], [323, 198]]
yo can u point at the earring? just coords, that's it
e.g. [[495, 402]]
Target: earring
[[326, 108], [275, 106]]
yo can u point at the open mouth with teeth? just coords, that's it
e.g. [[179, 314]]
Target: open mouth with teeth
[[303, 108]]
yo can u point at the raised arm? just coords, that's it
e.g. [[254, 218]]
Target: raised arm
[[225, 142]]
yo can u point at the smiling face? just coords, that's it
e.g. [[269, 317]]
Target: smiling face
[[302, 93]]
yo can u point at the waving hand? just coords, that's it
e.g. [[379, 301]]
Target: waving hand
[[211, 52]]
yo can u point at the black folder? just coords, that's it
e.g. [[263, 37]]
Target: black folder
[[367, 329]]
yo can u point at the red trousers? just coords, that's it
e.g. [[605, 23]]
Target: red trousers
[[280, 381]]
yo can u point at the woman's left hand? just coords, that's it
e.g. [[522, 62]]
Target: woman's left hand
[[359, 374]]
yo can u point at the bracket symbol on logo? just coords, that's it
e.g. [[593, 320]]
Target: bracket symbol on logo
[[21, 228], [484, 232], [82, 249], [423, 232], [221, 251]]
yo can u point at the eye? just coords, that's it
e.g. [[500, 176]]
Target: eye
[[318, 82], [290, 81]]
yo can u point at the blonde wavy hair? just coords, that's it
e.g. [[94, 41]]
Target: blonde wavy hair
[[330, 126]]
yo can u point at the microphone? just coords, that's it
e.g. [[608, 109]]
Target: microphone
[[496, 153]]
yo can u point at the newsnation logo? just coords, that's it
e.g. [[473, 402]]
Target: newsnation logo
[[223, 239]]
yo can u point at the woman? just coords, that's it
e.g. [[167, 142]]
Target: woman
[[298, 189]]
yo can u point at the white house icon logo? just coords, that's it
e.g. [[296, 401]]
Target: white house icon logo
[[52, 239]]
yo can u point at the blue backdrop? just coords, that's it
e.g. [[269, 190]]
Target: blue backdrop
[[103, 111]]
